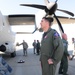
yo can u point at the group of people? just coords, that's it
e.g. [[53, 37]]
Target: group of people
[[53, 49], [36, 47]]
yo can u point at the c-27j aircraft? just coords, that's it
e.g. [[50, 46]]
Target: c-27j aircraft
[[7, 36]]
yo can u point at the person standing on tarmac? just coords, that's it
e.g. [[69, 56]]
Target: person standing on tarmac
[[38, 47], [25, 46], [64, 61], [73, 42], [52, 49], [34, 46]]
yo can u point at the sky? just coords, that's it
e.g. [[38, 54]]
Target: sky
[[8, 7], [13, 6]]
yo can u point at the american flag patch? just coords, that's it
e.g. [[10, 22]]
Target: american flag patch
[[45, 37]]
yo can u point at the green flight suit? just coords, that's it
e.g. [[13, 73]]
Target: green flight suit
[[64, 61], [51, 47]]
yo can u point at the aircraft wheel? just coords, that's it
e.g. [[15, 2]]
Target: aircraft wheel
[[13, 54]]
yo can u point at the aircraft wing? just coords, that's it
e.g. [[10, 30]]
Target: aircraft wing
[[21, 19], [24, 32], [65, 20], [29, 19]]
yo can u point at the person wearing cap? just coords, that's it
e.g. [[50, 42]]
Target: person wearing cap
[[64, 61], [52, 49]]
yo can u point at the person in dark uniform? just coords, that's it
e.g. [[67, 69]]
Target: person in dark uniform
[[38, 47], [34, 46], [52, 49], [64, 61]]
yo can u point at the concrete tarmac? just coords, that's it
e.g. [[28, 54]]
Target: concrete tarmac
[[31, 65]]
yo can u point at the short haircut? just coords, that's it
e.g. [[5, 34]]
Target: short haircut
[[50, 19]]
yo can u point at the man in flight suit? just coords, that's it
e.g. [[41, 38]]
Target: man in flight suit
[[34, 46], [64, 61], [25, 46], [51, 47]]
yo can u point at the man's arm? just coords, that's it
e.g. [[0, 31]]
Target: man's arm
[[58, 48]]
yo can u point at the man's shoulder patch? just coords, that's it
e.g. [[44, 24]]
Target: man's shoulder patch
[[56, 35]]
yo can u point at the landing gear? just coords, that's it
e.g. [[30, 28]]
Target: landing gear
[[13, 54]]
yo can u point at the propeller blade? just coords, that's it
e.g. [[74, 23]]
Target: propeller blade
[[48, 9], [35, 6], [67, 12], [35, 30], [60, 26]]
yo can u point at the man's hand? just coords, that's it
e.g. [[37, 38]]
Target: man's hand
[[50, 61], [17, 44], [69, 58]]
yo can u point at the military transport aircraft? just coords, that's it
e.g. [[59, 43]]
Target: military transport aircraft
[[7, 36]]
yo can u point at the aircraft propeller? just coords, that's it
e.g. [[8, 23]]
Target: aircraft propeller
[[50, 9]]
